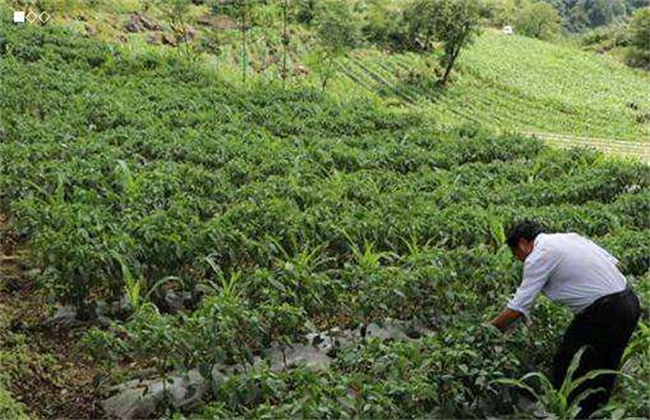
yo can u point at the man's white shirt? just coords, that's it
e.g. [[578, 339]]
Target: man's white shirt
[[569, 269]]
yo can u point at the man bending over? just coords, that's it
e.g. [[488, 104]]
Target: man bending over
[[574, 271]]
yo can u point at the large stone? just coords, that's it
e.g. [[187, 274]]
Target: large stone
[[138, 22], [221, 373], [204, 20], [64, 318], [121, 309], [313, 357], [169, 40], [143, 399], [154, 38], [322, 341], [386, 331]]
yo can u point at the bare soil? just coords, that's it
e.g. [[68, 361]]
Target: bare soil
[[50, 372]]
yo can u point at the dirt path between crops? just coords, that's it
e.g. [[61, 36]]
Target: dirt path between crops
[[625, 148], [50, 373]]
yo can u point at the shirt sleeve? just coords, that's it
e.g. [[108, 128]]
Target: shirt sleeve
[[537, 269]]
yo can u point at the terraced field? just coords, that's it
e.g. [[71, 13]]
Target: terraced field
[[180, 227], [518, 84]]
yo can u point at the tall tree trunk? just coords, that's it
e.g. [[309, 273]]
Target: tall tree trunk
[[285, 42], [243, 51], [451, 59]]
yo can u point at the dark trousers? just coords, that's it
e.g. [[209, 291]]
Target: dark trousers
[[605, 328]]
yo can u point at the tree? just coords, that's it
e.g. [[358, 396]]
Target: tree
[[639, 51], [383, 24], [241, 10], [306, 11], [538, 20], [452, 22], [338, 30], [177, 13], [286, 15]]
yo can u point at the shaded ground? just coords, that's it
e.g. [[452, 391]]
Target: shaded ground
[[48, 371]]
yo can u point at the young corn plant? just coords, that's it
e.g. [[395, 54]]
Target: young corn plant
[[303, 259], [557, 401], [232, 286], [416, 252], [497, 233], [132, 286], [126, 178], [367, 257], [639, 345]]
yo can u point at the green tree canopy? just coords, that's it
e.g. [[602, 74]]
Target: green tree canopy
[[452, 22], [639, 53], [537, 19], [338, 27]]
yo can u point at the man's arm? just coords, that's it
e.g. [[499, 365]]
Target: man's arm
[[505, 319]]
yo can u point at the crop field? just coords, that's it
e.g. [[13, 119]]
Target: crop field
[[514, 83], [506, 83], [289, 212]]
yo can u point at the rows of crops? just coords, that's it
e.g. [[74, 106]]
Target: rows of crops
[[302, 211], [517, 83], [621, 148]]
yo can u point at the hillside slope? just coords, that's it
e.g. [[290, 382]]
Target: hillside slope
[[507, 83], [515, 83], [294, 212]]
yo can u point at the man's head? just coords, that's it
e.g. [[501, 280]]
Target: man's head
[[521, 237]]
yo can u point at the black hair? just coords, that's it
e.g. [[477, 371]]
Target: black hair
[[524, 229]]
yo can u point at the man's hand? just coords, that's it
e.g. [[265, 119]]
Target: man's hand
[[505, 319]]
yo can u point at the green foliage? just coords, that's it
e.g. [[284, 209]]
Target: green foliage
[[580, 15], [639, 52], [383, 24], [176, 12], [537, 19], [338, 31], [9, 408], [561, 402], [132, 286], [541, 73], [454, 23], [302, 211], [606, 38], [438, 376], [14, 359]]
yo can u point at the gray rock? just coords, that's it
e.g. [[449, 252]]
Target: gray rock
[[64, 318], [142, 399], [204, 20], [313, 357], [154, 39], [138, 22], [387, 331], [221, 373], [173, 301], [169, 40], [322, 341], [121, 309]]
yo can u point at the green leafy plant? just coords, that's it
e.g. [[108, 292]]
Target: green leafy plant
[[230, 286], [561, 402], [133, 286]]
